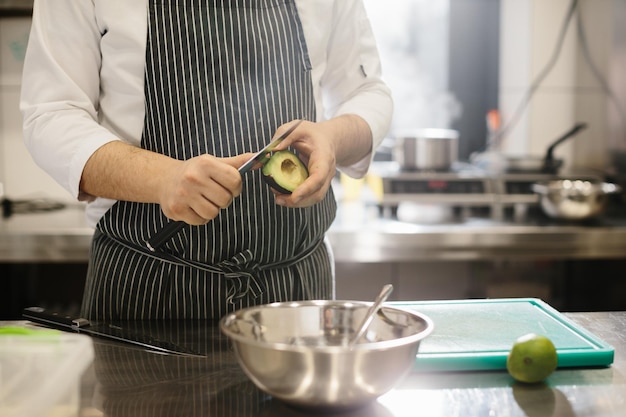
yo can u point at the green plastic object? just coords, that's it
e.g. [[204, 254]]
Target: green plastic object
[[477, 334], [24, 331]]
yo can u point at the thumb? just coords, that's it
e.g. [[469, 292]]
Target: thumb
[[239, 160]]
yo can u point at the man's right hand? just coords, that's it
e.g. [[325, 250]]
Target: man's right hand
[[193, 191], [197, 189]]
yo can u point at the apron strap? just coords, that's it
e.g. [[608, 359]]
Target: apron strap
[[241, 271]]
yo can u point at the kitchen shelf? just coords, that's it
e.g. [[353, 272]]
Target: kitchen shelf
[[16, 8]]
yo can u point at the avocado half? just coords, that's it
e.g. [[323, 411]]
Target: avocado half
[[284, 171]]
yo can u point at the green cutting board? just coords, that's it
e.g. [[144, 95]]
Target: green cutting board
[[478, 334]]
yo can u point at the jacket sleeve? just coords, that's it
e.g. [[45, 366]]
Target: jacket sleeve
[[61, 88], [352, 82]]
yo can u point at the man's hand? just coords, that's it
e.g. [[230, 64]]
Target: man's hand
[[193, 191], [321, 146], [197, 189]]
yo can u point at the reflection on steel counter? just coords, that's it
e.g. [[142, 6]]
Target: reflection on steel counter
[[174, 385], [127, 381]]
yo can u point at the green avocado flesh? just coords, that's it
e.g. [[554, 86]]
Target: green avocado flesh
[[284, 171]]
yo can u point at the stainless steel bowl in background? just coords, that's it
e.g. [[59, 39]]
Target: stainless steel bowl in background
[[574, 199], [298, 351], [426, 149]]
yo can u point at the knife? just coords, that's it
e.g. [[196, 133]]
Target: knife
[[174, 227], [104, 330], [267, 149]]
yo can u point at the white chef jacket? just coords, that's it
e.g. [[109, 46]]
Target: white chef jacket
[[83, 79]]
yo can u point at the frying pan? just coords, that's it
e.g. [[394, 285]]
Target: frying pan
[[547, 164]]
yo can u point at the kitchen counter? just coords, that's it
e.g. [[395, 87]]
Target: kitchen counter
[[127, 381], [371, 238], [54, 236], [360, 234]]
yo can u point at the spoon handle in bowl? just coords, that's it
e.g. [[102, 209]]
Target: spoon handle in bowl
[[382, 297]]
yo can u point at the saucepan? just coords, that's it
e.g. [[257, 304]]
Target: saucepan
[[574, 199], [496, 162], [547, 163]]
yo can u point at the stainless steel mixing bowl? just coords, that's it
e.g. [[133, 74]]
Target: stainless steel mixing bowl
[[298, 351], [574, 199]]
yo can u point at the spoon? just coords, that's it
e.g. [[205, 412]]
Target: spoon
[[367, 320]]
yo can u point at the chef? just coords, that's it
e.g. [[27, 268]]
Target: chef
[[145, 109]]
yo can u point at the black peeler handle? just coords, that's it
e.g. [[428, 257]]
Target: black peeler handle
[[164, 235]]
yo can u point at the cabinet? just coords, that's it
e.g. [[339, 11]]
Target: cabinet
[[568, 285], [52, 285]]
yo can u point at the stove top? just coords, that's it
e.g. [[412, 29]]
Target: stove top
[[464, 186]]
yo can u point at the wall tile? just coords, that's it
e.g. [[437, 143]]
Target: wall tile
[[570, 92]]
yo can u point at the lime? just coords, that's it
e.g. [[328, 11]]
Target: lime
[[532, 358]]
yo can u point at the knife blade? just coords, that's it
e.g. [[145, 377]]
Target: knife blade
[[174, 227], [247, 166], [112, 331]]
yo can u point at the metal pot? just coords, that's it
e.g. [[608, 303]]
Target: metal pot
[[426, 149], [574, 199]]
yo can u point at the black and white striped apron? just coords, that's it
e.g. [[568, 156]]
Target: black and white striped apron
[[221, 76]]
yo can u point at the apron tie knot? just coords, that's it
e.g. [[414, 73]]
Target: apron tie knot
[[240, 272]]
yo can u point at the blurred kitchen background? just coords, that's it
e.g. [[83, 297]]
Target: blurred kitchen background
[[542, 64]]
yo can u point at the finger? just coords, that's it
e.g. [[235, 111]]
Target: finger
[[219, 181], [188, 215], [307, 194], [217, 195], [202, 218], [293, 137], [237, 161]]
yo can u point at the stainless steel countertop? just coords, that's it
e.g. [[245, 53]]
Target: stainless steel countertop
[[370, 238], [55, 236], [127, 381], [571, 392], [359, 234]]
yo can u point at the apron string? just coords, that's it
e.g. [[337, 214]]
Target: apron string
[[241, 271]]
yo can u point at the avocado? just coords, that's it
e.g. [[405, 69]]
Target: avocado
[[284, 171]]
